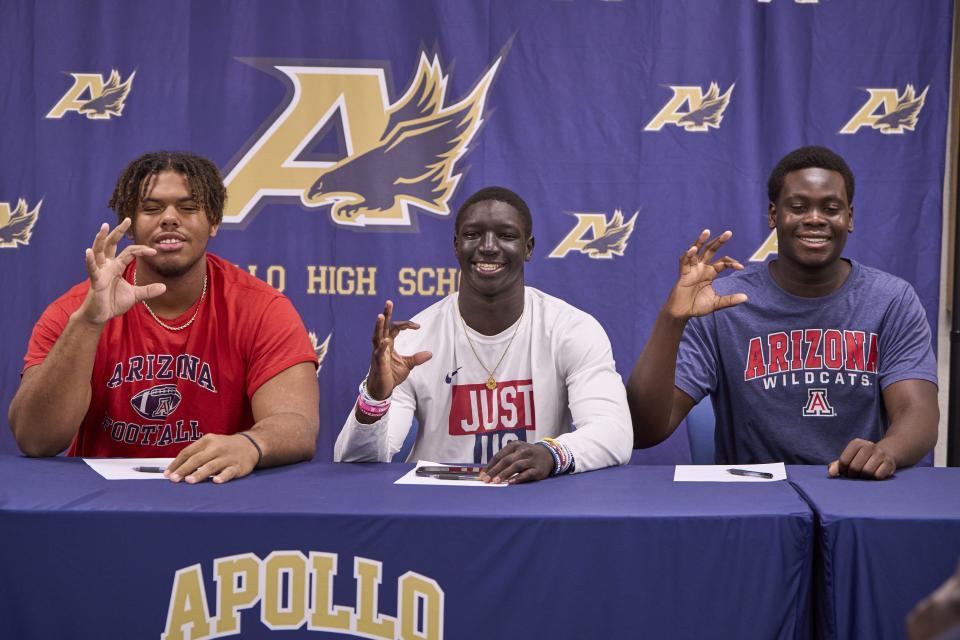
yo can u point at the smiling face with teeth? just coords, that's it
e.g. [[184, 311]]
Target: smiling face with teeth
[[491, 244], [812, 217], [170, 220]]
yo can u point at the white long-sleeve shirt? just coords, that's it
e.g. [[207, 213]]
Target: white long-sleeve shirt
[[557, 379]]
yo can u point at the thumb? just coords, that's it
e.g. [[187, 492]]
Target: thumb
[[833, 469], [148, 291], [418, 358]]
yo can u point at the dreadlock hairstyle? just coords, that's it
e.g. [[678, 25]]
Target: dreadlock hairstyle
[[203, 179]]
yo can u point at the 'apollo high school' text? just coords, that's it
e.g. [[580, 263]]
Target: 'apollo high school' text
[[342, 280]]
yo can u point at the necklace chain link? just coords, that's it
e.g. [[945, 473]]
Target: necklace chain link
[[164, 324], [491, 381]]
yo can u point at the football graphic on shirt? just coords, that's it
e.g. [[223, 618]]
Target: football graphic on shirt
[[156, 402]]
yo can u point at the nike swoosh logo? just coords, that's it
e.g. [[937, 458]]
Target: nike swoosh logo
[[449, 377]]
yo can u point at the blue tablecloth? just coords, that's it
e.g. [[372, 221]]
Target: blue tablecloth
[[882, 546], [618, 553]]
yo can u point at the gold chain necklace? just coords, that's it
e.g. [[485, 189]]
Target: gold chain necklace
[[164, 324], [491, 381]]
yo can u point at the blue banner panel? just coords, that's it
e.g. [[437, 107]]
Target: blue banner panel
[[349, 132]]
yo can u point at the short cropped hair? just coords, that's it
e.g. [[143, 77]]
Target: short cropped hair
[[500, 194], [806, 158], [203, 179]]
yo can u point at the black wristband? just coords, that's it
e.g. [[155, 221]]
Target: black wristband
[[254, 443]]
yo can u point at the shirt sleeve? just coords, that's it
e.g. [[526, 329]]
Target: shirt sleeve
[[602, 435], [280, 342], [906, 352], [696, 372], [379, 441], [46, 333]]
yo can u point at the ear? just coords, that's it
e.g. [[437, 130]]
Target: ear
[[850, 221], [772, 215], [529, 253], [130, 229], [213, 230]]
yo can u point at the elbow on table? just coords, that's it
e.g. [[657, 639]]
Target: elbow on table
[[33, 446]]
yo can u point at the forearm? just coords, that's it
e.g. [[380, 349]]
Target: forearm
[[54, 396], [908, 444], [285, 438], [650, 387], [914, 417], [361, 442]]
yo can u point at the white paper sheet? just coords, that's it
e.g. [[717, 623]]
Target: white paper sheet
[[721, 473], [413, 478], [123, 468]]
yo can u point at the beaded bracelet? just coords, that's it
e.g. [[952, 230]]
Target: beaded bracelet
[[556, 457], [562, 453]]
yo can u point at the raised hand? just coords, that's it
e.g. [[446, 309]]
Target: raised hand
[[110, 295], [387, 367], [693, 295]]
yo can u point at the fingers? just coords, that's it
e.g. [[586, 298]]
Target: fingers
[[221, 457], [115, 236], [90, 262], [394, 328], [387, 317], [518, 462], [863, 459], [726, 262], [98, 243], [378, 330], [703, 249], [715, 244]]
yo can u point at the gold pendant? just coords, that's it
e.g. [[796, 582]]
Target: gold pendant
[[491, 383]]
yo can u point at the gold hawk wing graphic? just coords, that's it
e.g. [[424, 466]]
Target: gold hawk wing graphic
[[320, 348], [110, 101], [16, 227], [904, 116], [614, 239], [710, 111], [413, 161]]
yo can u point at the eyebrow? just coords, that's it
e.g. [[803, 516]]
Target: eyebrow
[[187, 199]]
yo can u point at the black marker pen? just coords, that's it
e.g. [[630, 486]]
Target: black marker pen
[[750, 474]]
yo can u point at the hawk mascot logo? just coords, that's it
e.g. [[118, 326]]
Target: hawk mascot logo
[[16, 226], [396, 155], [607, 238], [94, 98], [900, 111], [705, 110]]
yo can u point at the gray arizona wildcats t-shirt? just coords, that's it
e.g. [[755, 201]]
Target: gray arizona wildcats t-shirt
[[796, 379]]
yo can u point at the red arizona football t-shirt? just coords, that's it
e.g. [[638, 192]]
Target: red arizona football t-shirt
[[154, 391]]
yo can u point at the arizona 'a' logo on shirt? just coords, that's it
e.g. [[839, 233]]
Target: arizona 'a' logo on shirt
[[817, 404], [393, 154]]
